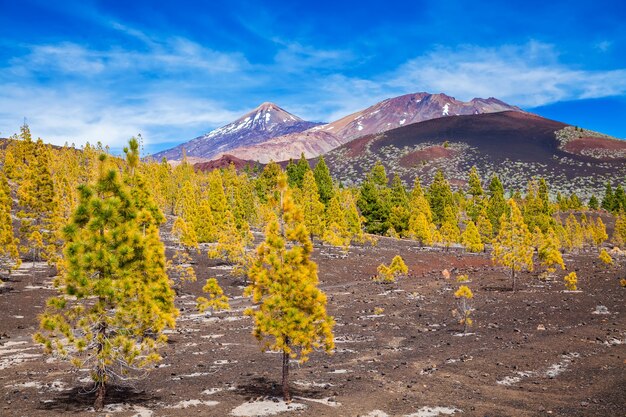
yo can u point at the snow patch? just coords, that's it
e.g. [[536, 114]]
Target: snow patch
[[446, 109], [402, 122], [265, 408]]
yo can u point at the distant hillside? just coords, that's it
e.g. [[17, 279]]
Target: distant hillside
[[514, 145]]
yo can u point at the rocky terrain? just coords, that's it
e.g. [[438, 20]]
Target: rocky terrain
[[514, 145], [400, 351]]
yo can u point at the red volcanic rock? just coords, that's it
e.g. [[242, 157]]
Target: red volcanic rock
[[600, 148], [224, 162], [427, 154]]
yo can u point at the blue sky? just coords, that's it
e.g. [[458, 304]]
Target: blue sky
[[106, 70]]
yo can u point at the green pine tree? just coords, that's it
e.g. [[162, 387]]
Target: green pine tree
[[114, 298]]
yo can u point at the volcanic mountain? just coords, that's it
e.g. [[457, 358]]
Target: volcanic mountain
[[515, 145], [385, 115], [265, 122]]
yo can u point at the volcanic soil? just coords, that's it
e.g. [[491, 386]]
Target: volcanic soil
[[539, 351]]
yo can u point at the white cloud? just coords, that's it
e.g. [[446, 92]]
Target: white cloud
[[526, 75]]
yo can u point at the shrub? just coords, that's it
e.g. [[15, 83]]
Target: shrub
[[570, 281]]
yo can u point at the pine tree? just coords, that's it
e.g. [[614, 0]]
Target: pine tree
[[512, 247], [291, 316], [39, 221], [575, 233], [496, 205], [296, 171], [485, 228], [9, 255], [619, 199], [593, 203], [336, 230], [396, 268], [608, 202], [476, 202], [571, 281], [324, 181], [470, 238], [599, 234], [354, 220], [179, 268], [374, 206], [605, 257], [619, 232], [418, 202], [548, 251], [421, 230], [463, 296], [378, 175], [400, 214], [312, 207], [439, 197], [266, 183], [449, 230], [475, 183], [114, 296]]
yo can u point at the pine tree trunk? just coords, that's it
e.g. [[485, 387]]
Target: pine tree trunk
[[100, 374], [513, 274], [100, 394], [286, 394]]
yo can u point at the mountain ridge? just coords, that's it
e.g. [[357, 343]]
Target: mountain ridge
[[383, 116], [266, 121]]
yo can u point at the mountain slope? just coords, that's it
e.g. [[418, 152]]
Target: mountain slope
[[383, 116], [514, 145], [263, 123]]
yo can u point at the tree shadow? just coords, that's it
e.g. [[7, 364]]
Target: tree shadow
[[81, 398], [497, 288], [263, 387]]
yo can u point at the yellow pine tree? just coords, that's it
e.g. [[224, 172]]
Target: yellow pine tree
[[470, 238], [313, 208], [619, 232], [336, 231], [598, 232], [291, 316], [396, 268], [39, 220], [575, 233], [9, 255], [232, 242], [513, 247], [354, 220], [571, 281], [464, 295], [485, 228], [179, 268], [421, 230], [548, 251], [114, 298], [449, 230], [605, 257]]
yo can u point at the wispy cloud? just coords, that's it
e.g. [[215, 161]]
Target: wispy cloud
[[526, 75]]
